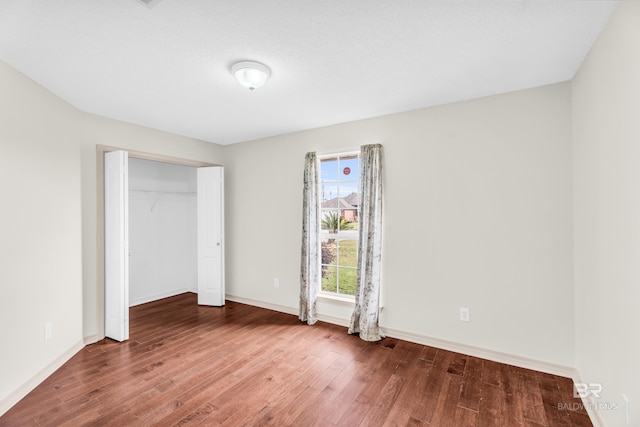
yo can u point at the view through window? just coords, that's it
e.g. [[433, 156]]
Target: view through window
[[339, 210]]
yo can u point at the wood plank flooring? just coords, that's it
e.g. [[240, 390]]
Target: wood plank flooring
[[241, 365]]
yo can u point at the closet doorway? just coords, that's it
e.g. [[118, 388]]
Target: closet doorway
[[162, 230], [163, 235]]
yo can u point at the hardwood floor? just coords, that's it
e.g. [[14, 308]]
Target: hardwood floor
[[241, 365]]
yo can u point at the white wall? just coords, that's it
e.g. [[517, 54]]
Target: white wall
[[162, 230], [478, 213], [40, 226], [606, 138]]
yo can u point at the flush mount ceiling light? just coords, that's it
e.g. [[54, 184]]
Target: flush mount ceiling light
[[250, 74]]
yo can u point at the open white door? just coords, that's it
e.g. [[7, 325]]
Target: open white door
[[116, 246], [210, 236]]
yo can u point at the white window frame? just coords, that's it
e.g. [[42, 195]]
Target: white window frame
[[341, 235]]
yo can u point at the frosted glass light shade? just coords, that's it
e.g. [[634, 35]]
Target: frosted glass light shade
[[250, 74]]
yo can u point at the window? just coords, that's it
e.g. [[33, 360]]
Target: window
[[339, 210]]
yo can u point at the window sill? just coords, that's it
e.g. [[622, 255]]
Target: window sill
[[337, 298], [350, 301]]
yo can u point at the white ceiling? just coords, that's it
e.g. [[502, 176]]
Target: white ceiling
[[332, 61]]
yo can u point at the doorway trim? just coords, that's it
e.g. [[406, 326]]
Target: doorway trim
[[100, 266]]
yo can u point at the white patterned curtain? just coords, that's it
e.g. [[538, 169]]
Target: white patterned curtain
[[365, 314], [310, 262]]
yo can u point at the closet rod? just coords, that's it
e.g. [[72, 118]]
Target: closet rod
[[165, 192]]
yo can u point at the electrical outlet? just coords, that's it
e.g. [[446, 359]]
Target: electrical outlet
[[47, 331], [276, 283], [464, 314]]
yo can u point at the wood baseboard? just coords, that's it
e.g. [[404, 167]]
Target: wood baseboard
[[91, 339], [262, 304], [483, 353], [496, 356], [14, 397]]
